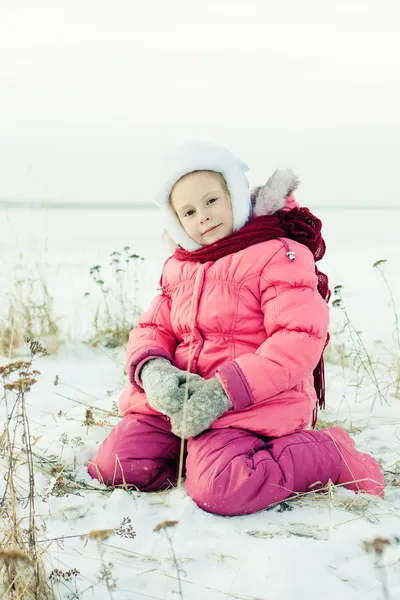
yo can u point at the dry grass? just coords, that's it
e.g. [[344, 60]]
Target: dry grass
[[29, 313], [349, 427], [397, 378], [336, 352], [23, 554], [376, 367], [21, 559], [378, 546], [11, 334], [117, 309]]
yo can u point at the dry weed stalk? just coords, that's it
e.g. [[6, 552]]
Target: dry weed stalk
[[336, 352], [165, 527], [378, 265], [105, 577], [378, 547], [30, 314], [21, 559], [361, 358], [11, 336], [381, 365], [117, 312], [106, 568]]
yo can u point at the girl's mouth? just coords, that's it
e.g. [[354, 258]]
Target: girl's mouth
[[211, 229]]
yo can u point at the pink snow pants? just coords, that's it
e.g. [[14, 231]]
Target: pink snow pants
[[230, 471]]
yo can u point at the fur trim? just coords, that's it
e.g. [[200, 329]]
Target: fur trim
[[271, 197], [195, 157], [175, 230], [169, 242]]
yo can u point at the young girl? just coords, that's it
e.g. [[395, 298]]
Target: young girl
[[243, 309]]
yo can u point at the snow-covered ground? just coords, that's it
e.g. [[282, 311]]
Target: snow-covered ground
[[311, 547]]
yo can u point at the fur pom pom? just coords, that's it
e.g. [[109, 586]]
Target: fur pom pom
[[271, 197]]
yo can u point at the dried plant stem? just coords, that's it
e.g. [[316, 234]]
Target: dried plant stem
[[186, 397], [166, 526], [359, 349], [378, 266], [105, 572], [32, 511], [175, 561], [12, 336], [117, 311], [21, 560], [183, 441]]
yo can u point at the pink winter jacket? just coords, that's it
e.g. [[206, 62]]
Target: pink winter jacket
[[254, 319]]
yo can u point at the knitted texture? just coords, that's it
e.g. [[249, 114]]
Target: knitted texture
[[207, 401], [164, 385]]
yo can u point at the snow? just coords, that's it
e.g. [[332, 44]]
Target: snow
[[313, 550]]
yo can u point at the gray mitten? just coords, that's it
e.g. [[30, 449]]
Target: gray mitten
[[207, 401], [165, 385]]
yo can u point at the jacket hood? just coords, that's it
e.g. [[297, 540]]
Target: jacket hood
[[263, 200]]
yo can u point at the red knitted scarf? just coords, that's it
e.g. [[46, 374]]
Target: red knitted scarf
[[298, 224]]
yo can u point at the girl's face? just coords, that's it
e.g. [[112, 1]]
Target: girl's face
[[203, 206]]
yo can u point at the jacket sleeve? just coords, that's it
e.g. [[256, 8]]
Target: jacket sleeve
[[152, 338], [296, 320]]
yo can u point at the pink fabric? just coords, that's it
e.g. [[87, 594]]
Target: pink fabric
[[232, 471], [255, 319], [359, 472], [234, 382], [140, 451], [139, 359], [150, 340]]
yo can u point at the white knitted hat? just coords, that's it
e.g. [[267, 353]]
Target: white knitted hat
[[203, 157]]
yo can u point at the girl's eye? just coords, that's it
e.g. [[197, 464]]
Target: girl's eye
[[189, 213], [212, 200]]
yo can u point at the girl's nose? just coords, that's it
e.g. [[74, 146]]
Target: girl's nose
[[203, 216], [204, 219]]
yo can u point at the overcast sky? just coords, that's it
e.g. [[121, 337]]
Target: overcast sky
[[93, 93]]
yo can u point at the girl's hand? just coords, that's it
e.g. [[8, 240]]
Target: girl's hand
[[165, 385], [207, 402]]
